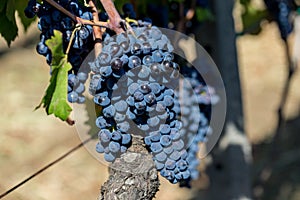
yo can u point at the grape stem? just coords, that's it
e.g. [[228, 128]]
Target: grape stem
[[114, 16], [76, 18], [70, 121], [98, 31], [71, 39]]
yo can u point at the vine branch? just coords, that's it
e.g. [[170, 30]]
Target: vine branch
[[133, 176], [114, 16], [76, 18], [98, 32]]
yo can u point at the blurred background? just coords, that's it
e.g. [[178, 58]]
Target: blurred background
[[29, 139]]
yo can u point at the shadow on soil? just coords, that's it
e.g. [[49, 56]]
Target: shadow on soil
[[282, 181]]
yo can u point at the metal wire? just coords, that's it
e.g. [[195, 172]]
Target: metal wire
[[46, 167]]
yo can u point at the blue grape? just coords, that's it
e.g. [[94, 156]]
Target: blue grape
[[153, 122], [72, 97], [102, 99], [130, 115], [145, 88], [82, 76], [157, 56], [186, 174], [99, 148], [121, 106], [101, 122], [105, 71], [169, 149], [178, 145], [134, 61], [140, 105], [165, 129], [104, 135], [109, 111], [159, 166], [123, 127], [80, 88], [150, 98], [155, 88], [109, 157], [138, 96], [119, 117], [114, 147], [42, 49], [123, 149], [156, 147], [126, 139], [165, 140], [170, 164], [155, 136], [160, 157], [175, 155], [144, 72]]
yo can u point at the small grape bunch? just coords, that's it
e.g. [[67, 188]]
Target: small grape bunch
[[51, 19]]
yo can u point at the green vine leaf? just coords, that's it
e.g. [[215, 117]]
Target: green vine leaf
[[10, 10], [8, 28], [55, 99]]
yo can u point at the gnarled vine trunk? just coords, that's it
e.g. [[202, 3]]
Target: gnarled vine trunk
[[133, 176]]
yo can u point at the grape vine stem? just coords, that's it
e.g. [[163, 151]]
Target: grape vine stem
[[98, 31], [76, 18], [114, 16], [132, 176]]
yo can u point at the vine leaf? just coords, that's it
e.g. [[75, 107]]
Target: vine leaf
[[55, 98], [8, 28]]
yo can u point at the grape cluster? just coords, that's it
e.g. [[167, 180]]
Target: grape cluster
[[135, 86], [51, 19]]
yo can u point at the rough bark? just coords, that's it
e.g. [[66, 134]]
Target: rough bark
[[133, 176]]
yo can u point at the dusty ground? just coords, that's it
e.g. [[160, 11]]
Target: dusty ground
[[29, 140]]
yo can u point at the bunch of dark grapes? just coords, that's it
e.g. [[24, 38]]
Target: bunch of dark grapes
[[51, 19], [135, 86]]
